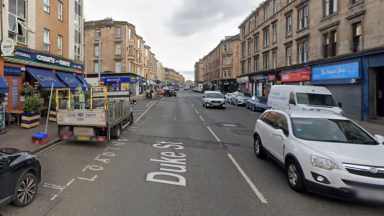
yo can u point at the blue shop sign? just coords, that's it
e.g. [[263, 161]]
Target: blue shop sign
[[116, 79], [340, 71], [42, 58], [12, 71]]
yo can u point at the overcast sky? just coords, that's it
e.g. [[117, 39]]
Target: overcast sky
[[179, 31]]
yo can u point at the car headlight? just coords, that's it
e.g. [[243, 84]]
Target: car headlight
[[323, 163]]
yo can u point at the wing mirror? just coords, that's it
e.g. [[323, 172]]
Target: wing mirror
[[279, 133], [340, 105], [4, 160], [203, 96], [379, 138], [292, 101]]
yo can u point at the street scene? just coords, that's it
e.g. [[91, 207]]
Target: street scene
[[259, 107]]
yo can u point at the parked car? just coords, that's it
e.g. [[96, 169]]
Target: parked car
[[20, 174], [322, 152], [288, 97], [240, 99], [228, 96], [170, 93], [257, 104], [213, 99]]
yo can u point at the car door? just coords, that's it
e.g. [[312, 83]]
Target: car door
[[278, 139], [265, 130], [6, 178]]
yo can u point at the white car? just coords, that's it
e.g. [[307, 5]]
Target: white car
[[213, 99], [240, 99], [323, 152], [228, 96]]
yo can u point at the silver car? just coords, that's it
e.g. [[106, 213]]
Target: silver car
[[241, 99]]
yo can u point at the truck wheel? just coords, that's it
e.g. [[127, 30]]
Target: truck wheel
[[116, 132], [131, 120]]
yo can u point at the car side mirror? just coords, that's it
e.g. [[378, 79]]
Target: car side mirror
[[340, 105], [279, 133], [292, 101], [203, 96], [379, 138]]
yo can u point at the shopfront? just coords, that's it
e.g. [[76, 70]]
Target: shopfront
[[37, 71], [116, 83], [259, 84], [344, 81], [244, 84]]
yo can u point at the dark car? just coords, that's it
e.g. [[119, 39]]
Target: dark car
[[20, 173], [257, 104], [170, 93]]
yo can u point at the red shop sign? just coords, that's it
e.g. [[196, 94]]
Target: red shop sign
[[296, 76]]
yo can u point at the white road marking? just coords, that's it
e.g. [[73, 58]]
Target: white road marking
[[229, 125], [202, 119], [149, 103], [197, 111], [174, 118], [54, 197], [245, 176], [70, 182], [137, 120], [216, 137]]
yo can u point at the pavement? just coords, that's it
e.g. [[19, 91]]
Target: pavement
[[178, 158]]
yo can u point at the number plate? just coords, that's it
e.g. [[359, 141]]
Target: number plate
[[83, 131], [83, 138]]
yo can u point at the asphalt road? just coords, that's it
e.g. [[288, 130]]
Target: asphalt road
[[177, 159]]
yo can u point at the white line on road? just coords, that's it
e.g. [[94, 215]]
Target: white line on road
[[149, 103], [54, 197], [202, 119], [245, 176], [137, 120], [216, 137], [197, 111], [70, 182]]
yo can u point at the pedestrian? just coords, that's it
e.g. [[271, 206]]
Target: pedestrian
[[81, 95]]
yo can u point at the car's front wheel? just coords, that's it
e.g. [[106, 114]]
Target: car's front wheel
[[258, 148], [26, 190], [295, 176]]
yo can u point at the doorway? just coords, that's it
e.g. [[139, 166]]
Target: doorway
[[380, 94]]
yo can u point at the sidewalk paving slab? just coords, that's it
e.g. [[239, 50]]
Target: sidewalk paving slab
[[20, 138]]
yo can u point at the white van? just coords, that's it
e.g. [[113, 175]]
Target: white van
[[294, 97]]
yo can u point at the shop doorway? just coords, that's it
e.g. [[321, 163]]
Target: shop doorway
[[380, 93], [376, 93]]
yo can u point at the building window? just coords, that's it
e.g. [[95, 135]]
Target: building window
[[60, 45], [118, 32], [249, 66], [303, 17], [250, 45], [242, 67], [60, 10], [274, 33], [257, 20], [117, 49], [97, 67], [357, 34], [289, 24], [289, 1], [256, 63], [47, 40], [288, 56], [118, 67], [227, 47], [330, 7], [266, 61], [355, 1], [227, 60], [97, 51], [303, 51], [276, 5], [138, 44], [243, 50], [47, 5], [17, 21], [256, 43], [97, 35], [129, 33], [266, 37], [274, 59], [266, 12], [329, 44]]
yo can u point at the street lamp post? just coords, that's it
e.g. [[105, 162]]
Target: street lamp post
[[99, 60]]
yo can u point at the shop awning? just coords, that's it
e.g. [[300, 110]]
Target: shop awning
[[69, 79], [45, 78], [82, 80], [3, 86]]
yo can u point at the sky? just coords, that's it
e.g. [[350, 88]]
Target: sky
[[180, 32]]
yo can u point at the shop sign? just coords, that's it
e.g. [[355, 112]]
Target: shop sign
[[42, 58], [271, 78], [340, 71], [258, 78], [7, 47], [244, 79], [115, 79], [12, 71], [296, 76]]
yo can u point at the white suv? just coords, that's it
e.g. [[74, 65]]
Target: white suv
[[323, 152]]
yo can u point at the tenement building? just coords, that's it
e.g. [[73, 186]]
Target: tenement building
[[117, 57], [218, 70], [41, 40], [338, 44]]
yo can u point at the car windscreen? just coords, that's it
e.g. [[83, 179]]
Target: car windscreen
[[330, 130], [315, 99], [214, 95]]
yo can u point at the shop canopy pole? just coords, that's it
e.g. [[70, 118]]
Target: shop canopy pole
[[49, 108]]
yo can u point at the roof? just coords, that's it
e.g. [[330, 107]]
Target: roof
[[105, 23], [322, 114]]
